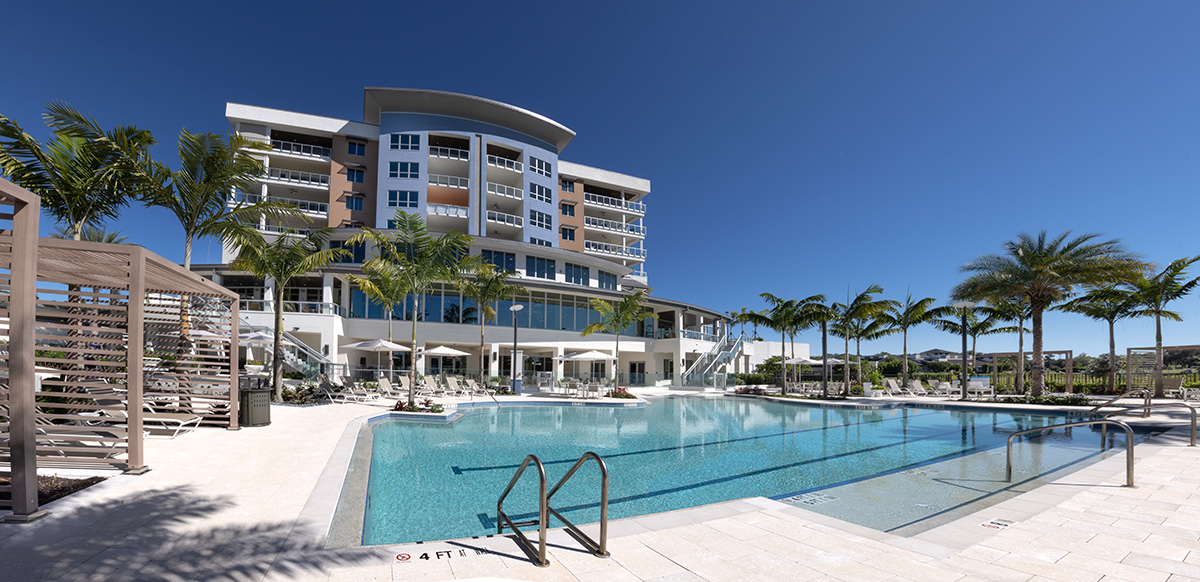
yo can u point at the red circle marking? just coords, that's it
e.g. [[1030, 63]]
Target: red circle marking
[[403, 557]]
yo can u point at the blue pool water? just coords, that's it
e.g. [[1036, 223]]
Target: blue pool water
[[433, 481]]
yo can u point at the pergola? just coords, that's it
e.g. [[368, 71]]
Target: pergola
[[124, 342], [1069, 382]]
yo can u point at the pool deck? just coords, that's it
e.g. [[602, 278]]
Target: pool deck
[[239, 505]]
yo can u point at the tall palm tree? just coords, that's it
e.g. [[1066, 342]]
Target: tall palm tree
[[288, 256], [384, 285], [786, 316], [423, 260], [850, 315], [211, 168], [814, 311], [1046, 270], [903, 316], [84, 175], [1152, 294], [615, 316], [988, 324], [1108, 304], [864, 329], [1015, 309], [487, 286]]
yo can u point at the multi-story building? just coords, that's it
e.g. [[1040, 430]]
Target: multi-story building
[[484, 168]]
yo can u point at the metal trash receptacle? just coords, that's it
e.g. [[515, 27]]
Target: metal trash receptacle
[[254, 405]]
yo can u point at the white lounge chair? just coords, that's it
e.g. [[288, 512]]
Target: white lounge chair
[[893, 388], [919, 389]]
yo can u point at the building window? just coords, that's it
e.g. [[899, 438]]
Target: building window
[[403, 169], [539, 267], [577, 274], [607, 281], [355, 176], [540, 220], [358, 252], [406, 141], [568, 233], [502, 261], [357, 148], [402, 199], [567, 209], [354, 203], [539, 166], [539, 192], [568, 186], [540, 242]]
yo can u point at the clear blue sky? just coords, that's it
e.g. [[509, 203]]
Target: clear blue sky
[[794, 147]]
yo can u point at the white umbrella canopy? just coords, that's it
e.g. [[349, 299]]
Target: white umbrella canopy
[[378, 346], [260, 338], [592, 356], [803, 360], [442, 351]]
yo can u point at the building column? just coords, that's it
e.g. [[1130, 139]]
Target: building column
[[558, 364]]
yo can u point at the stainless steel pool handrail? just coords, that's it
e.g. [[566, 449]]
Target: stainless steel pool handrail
[[1146, 394], [600, 549], [539, 554], [1103, 432], [1128, 444]]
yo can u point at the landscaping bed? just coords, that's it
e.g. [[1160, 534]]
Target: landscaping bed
[[51, 487]]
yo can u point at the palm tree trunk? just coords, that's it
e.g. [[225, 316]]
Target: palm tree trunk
[[846, 367], [1020, 382], [277, 358], [1112, 358], [904, 362], [412, 372], [1038, 379], [482, 381], [187, 254], [824, 360], [616, 360], [782, 359], [1158, 357]]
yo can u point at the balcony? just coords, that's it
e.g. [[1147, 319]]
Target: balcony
[[506, 163], [610, 202], [599, 248], [308, 207], [502, 218], [278, 175], [628, 229], [450, 210], [505, 191], [301, 150], [293, 307], [449, 181], [449, 153], [273, 229]]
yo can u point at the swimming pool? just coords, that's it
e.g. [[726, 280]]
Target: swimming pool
[[433, 481]]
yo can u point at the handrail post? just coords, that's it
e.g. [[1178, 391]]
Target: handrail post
[[1103, 422], [1190, 408]]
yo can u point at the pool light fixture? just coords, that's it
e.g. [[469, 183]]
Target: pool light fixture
[[964, 306]]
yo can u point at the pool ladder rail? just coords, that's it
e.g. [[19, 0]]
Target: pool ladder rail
[[600, 549], [1146, 394]]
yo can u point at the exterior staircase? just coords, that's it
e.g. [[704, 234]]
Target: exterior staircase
[[296, 354], [703, 372]]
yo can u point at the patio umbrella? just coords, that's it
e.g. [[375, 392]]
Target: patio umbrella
[[592, 356], [378, 346], [441, 352], [258, 338], [564, 358]]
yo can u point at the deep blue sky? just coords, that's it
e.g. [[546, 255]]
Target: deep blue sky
[[794, 147]]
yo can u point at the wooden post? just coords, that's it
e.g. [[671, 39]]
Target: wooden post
[[234, 383], [135, 322]]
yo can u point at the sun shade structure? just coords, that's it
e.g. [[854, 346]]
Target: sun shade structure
[[139, 343]]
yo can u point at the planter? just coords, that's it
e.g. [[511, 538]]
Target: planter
[[253, 369]]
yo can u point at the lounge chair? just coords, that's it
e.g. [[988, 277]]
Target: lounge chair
[[387, 390], [1173, 386], [893, 388], [978, 389], [919, 389], [454, 388], [477, 389]]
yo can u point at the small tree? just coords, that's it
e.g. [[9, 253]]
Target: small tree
[[615, 316], [288, 256], [852, 317], [1153, 293], [487, 286], [1107, 304], [902, 316]]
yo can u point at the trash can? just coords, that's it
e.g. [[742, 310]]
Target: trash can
[[254, 405]]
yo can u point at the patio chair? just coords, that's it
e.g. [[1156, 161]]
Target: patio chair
[[893, 388], [593, 387], [1173, 386], [453, 388], [978, 389], [387, 391], [919, 389], [477, 389]]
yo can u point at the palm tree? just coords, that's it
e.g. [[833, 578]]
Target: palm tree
[[1046, 270], [1108, 304], [1014, 309], [976, 326], [423, 260], [867, 330], [84, 175], [786, 317], [212, 168], [814, 311], [384, 285], [1152, 294], [488, 286], [902, 316], [615, 316], [91, 233], [850, 316], [289, 255]]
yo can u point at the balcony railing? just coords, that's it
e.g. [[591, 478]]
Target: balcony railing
[[506, 163], [305, 206], [449, 153], [449, 181], [610, 202], [301, 149], [238, 197], [505, 191], [451, 210], [502, 218], [293, 307], [607, 249], [295, 177], [634, 229], [271, 228]]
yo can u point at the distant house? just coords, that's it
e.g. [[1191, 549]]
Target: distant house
[[934, 355]]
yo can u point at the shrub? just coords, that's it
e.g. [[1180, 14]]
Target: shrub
[[750, 390], [1049, 400], [619, 393]]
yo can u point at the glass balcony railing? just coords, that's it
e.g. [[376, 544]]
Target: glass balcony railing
[[505, 191], [287, 230], [610, 202], [502, 218], [295, 177], [449, 181], [633, 229], [450, 210], [506, 163], [607, 249], [449, 153], [314, 307], [305, 206], [300, 149]]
